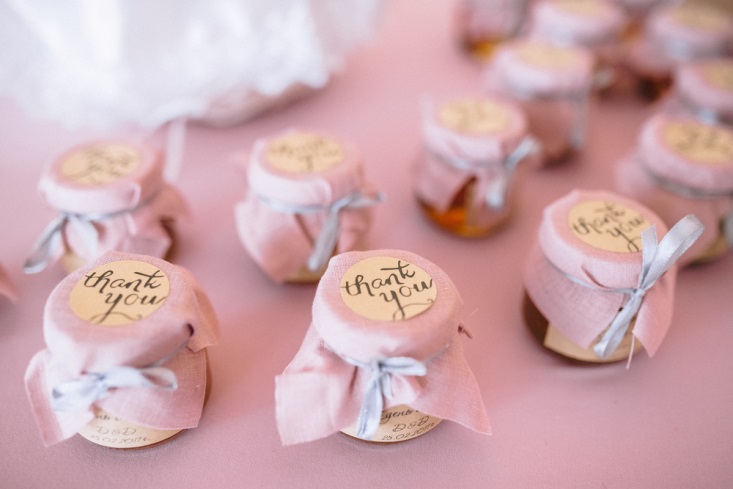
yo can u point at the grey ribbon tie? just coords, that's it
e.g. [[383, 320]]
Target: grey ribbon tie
[[380, 386], [657, 258], [82, 392], [326, 241], [50, 244]]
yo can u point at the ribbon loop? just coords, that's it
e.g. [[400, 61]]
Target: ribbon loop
[[50, 244], [380, 386], [657, 258], [84, 391], [326, 241]]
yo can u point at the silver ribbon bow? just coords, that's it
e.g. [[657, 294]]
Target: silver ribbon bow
[[50, 244], [84, 391], [379, 387], [657, 258], [498, 188], [326, 240]]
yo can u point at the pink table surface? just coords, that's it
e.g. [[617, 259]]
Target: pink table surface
[[664, 423]]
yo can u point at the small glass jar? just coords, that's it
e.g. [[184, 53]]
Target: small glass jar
[[682, 165], [597, 25], [675, 34], [125, 363], [552, 85], [593, 293], [6, 286], [482, 25], [307, 200], [704, 89], [474, 146], [382, 360], [110, 195]]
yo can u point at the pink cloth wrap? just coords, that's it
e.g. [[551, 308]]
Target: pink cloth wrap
[[6, 286], [149, 199], [693, 87], [280, 243], [653, 155], [508, 73], [75, 346], [581, 313], [437, 182], [552, 22], [667, 42], [319, 393]]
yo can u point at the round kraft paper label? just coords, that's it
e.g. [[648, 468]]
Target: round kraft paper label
[[720, 76], [608, 226], [100, 164], [385, 288], [304, 153], [398, 424], [110, 431], [119, 293], [700, 18], [474, 116], [548, 57], [581, 8], [700, 142]]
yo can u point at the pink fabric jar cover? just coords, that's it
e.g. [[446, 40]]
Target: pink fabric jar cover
[[674, 185], [124, 214], [452, 158], [284, 214], [710, 99], [320, 379], [669, 39], [177, 333], [574, 284], [6, 286], [590, 24]]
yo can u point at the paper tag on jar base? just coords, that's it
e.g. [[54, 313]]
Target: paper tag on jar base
[[304, 152], [608, 226], [110, 431], [398, 424], [557, 342], [100, 164]]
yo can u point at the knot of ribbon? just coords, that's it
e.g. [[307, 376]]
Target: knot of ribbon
[[497, 187], [379, 386], [657, 258], [82, 392], [326, 241]]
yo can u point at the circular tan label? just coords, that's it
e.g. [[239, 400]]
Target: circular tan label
[[119, 293], [385, 288], [398, 424], [608, 226], [697, 17], [111, 431], [474, 116], [720, 76], [581, 7], [100, 164], [548, 57], [701, 143], [304, 153]]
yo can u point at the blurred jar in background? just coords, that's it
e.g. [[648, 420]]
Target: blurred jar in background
[[481, 25]]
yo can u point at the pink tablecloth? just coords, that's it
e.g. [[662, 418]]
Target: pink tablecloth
[[664, 423]]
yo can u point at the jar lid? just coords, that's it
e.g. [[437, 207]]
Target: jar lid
[[304, 168], [577, 23], [102, 177], [708, 85], [687, 151], [595, 236], [533, 68], [386, 303], [476, 129], [690, 30]]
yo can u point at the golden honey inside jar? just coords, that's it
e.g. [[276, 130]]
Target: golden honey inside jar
[[482, 25], [473, 155]]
